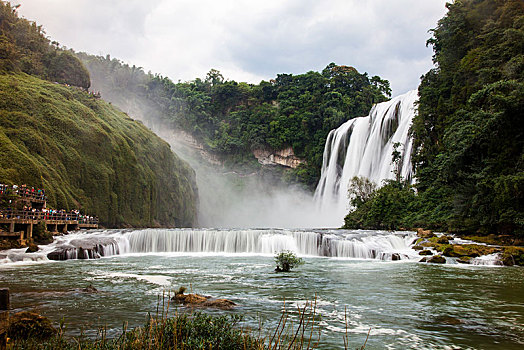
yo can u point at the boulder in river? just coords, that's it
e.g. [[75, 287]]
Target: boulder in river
[[31, 248], [425, 233], [89, 289], [202, 301], [437, 259], [92, 248], [425, 252]]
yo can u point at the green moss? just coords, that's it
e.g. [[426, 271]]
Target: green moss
[[513, 256], [88, 155]]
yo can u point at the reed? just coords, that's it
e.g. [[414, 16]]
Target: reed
[[297, 329]]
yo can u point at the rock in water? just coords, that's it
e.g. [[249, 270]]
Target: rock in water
[[89, 289], [202, 301], [31, 248], [437, 259], [425, 233]]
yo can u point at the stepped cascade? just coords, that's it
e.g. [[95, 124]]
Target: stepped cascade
[[379, 245], [363, 147]]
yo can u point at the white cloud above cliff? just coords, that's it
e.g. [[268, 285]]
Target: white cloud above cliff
[[248, 40]]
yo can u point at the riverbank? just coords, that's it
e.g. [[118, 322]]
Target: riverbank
[[502, 249]]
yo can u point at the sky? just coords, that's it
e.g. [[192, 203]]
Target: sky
[[248, 40]]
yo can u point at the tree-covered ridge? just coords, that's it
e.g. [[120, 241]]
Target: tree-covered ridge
[[470, 127], [24, 48], [88, 155], [469, 132], [232, 119]]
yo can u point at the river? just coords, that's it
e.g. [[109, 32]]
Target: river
[[403, 304]]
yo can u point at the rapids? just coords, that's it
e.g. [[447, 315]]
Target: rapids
[[359, 244], [407, 305]]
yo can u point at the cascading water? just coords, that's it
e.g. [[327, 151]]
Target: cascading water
[[363, 147], [380, 245]]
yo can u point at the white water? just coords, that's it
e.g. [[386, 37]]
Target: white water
[[363, 147], [379, 245]]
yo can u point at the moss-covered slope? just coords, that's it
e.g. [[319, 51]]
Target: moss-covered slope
[[87, 154]]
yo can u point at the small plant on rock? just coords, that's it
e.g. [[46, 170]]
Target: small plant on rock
[[287, 260]]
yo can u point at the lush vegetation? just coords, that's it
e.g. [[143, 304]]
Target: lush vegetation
[[469, 132], [85, 153], [232, 119], [25, 48]]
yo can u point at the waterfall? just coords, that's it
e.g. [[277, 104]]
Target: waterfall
[[328, 243], [363, 147], [380, 245]]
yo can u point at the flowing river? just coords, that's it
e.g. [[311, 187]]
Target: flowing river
[[401, 303]]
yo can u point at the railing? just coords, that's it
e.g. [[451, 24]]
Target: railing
[[24, 192], [47, 216]]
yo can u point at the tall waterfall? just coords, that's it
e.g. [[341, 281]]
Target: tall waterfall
[[363, 147]]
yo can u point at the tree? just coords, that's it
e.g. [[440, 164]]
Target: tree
[[287, 260], [360, 190]]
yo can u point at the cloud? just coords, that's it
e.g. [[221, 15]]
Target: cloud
[[249, 40]]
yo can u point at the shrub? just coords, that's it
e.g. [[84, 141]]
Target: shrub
[[287, 260]]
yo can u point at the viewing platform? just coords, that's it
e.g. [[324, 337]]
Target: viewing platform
[[19, 223]]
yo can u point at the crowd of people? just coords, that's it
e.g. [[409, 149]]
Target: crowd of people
[[23, 191], [13, 209]]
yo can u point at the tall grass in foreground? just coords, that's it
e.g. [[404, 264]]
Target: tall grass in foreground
[[296, 330]]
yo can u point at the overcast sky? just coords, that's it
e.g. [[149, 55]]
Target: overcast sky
[[248, 40]]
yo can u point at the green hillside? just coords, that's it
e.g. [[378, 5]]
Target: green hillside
[[87, 154]]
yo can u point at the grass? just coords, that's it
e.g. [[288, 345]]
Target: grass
[[88, 155], [296, 330]]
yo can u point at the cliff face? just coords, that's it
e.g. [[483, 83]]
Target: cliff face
[[87, 154], [284, 157]]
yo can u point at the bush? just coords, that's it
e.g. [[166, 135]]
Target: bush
[[287, 260]]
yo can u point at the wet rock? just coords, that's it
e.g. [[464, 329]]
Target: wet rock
[[471, 250], [31, 248], [25, 325], [464, 260], [424, 259], [437, 259], [417, 247], [425, 233], [202, 301], [443, 240], [59, 254], [395, 256], [92, 248], [513, 256], [425, 252], [448, 320], [89, 289]]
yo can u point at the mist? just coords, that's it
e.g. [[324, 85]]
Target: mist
[[228, 199]]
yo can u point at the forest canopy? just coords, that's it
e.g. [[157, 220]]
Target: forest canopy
[[232, 119], [25, 48], [469, 131]]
